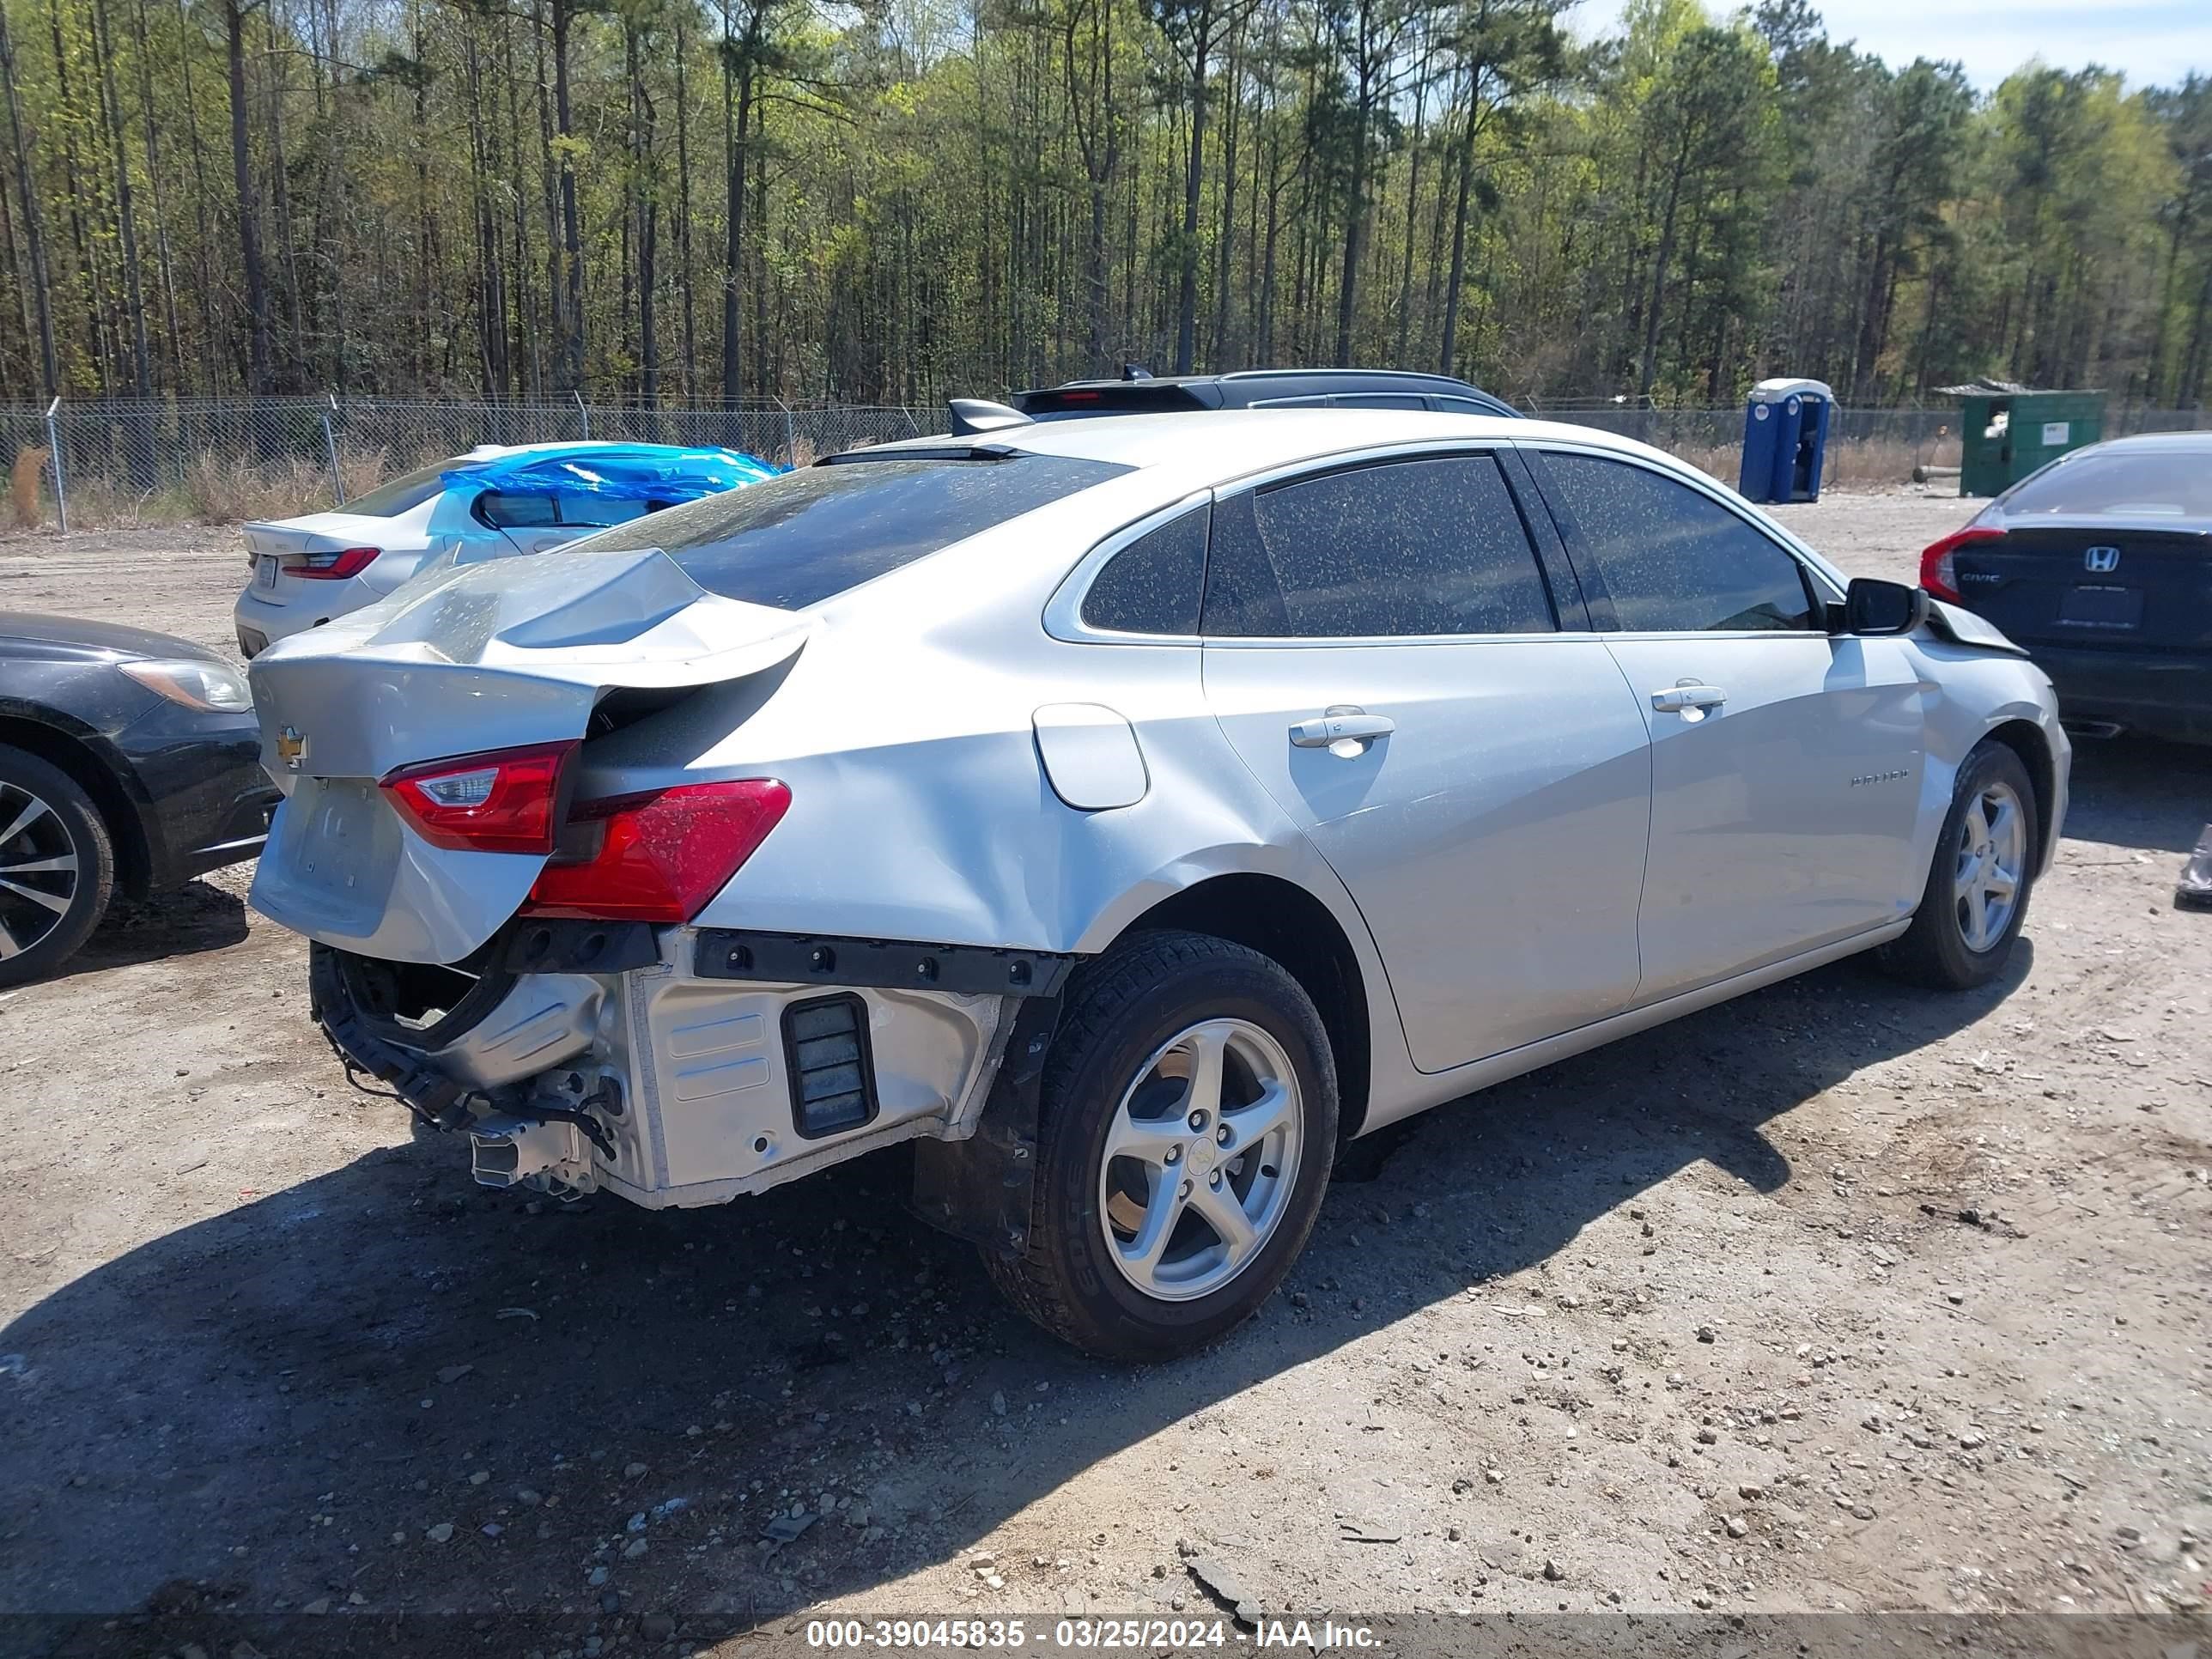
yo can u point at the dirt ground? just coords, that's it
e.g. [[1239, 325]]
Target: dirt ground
[[1843, 1295]]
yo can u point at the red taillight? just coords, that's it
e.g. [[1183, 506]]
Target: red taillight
[[658, 857], [334, 566], [1938, 571], [507, 800]]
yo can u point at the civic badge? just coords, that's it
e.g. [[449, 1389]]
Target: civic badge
[[2101, 559], [291, 747]]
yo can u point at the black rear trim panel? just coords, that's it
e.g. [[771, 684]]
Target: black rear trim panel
[[821, 959]]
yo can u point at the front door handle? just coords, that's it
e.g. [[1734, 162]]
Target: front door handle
[[1676, 699], [1344, 730]]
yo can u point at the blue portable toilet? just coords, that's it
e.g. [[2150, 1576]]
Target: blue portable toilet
[[1785, 435]]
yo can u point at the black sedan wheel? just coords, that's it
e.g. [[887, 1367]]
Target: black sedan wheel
[[57, 865]]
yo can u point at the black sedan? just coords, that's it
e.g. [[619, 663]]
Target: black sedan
[[2101, 564], [128, 760]]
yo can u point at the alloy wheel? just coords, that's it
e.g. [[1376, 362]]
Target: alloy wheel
[[37, 870], [1985, 886], [1200, 1158]]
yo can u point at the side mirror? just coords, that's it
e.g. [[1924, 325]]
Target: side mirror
[[1878, 607]]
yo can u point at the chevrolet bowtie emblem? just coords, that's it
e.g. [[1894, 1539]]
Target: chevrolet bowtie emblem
[[291, 747]]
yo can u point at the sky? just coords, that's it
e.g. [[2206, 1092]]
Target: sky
[[2152, 40]]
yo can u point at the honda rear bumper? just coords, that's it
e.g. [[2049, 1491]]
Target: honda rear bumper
[[2164, 694]]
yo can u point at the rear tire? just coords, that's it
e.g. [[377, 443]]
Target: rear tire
[[1962, 934], [57, 866], [1206, 1066]]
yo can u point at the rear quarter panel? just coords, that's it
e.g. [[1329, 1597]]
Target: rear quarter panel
[[920, 807]]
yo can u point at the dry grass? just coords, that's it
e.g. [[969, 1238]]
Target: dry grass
[[216, 489], [1868, 464], [220, 490]]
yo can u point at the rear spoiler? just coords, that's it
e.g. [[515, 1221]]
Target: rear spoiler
[[1116, 398], [1960, 626]]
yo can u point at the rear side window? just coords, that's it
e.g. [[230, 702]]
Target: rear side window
[[1476, 406], [797, 539], [1675, 561], [1378, 400], [1404, 548], [2135, 484], [1154, 585]]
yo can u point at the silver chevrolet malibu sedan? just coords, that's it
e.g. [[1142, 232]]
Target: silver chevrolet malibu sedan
[[1128, 812]]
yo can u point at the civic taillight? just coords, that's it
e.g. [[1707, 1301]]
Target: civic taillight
[[334, 566], [506, 800], [1939, 572], [657, 857]]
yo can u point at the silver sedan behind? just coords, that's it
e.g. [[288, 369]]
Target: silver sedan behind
[[1129, 812]]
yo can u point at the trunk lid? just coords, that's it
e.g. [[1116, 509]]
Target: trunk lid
[[320, 532], [463, 660], [2097, 585]]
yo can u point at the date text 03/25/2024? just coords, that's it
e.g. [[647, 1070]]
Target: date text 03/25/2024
[[1086, 1634]]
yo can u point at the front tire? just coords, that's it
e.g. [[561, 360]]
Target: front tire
[[1188, 1119], [1978, 884], [57, 866]]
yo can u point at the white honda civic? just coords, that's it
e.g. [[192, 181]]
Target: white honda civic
[[1129, 812]]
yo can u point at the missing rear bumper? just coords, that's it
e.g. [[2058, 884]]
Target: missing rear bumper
[[657, 1084]]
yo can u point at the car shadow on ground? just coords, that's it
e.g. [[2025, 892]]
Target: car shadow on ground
[[282, 1405], [2140, 793], [180, 921]]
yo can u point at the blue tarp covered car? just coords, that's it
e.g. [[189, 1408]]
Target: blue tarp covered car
[[490, 503]]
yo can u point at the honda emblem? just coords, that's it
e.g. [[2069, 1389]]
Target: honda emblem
[[2101, 559]]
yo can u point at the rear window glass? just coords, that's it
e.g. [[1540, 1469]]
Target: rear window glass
[[2136, 483], [404, 493], [795, 540]]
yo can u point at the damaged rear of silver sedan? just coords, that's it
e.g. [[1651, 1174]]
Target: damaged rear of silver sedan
[[1127, 812]]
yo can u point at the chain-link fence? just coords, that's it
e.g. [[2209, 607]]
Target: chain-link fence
[[109, 462], [1867, 448], [273, 457]]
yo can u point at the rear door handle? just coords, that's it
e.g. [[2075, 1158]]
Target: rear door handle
[[1343, 723], [1676, 698]]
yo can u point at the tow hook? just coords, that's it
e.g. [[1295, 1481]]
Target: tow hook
[[507, 1152], [508, 1149]]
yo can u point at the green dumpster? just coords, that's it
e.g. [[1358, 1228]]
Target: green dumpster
[[2006, 435]]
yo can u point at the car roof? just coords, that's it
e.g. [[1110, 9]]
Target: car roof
[[2190, 442], [497, 452], [1215, 446], [1262, 380], [1241, 388]]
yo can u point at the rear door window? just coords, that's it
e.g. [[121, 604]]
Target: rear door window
[[507, 510], [1434, 546], [796, 539], [1672, 559], [599, 511]]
